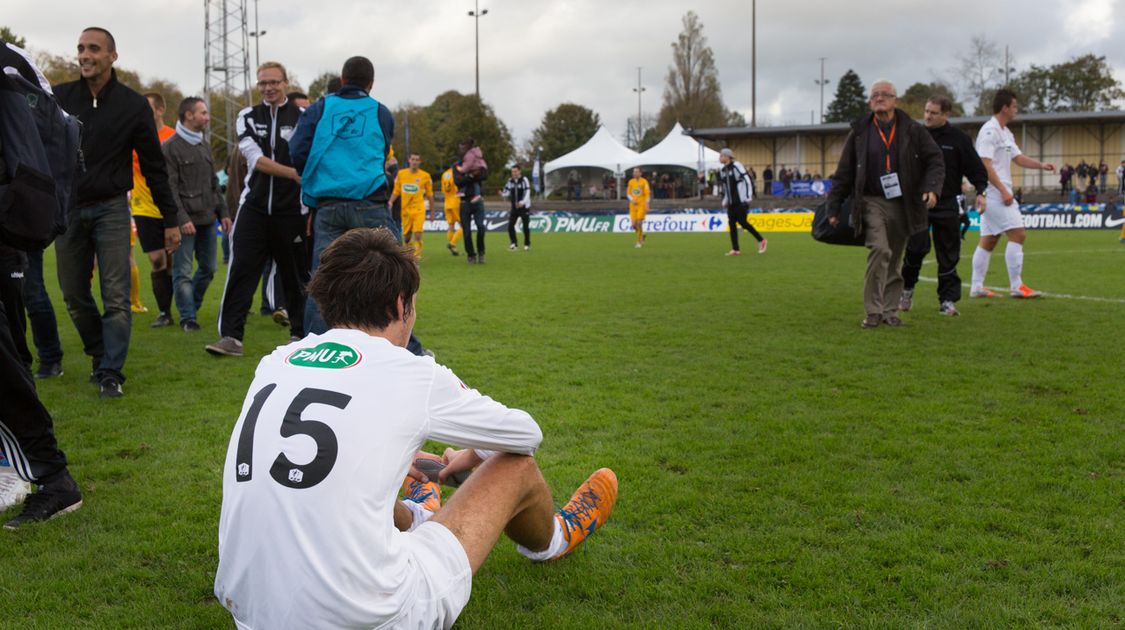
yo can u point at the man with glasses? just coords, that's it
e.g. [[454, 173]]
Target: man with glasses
[[270, 222], [893, 170]]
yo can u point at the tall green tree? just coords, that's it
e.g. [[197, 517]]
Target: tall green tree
[[319, 85], [850, 101], [692, 95], [643, 136], [913, 100], [1083, 84], [564, 129], [7, 35]]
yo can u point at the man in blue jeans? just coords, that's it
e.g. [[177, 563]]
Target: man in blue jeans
[[191, 173], [41, 316], [341, 148], [116, 121]]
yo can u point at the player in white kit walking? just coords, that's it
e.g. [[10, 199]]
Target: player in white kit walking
[[1001, 214], [312, 532]]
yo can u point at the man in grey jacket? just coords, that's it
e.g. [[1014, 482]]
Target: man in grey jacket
[[195, 187], [894, 171]]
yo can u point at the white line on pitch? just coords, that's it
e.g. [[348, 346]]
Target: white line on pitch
[[1065, 296]]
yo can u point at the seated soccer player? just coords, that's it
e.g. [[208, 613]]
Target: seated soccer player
[[312, 532]]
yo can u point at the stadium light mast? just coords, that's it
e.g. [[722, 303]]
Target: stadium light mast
[[640, 88], [822, 82], [477, 14], [257, 34], [226, 66]]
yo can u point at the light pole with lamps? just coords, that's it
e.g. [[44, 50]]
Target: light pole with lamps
[[477, 14], [822, 82], [639, 128], [257, 34]]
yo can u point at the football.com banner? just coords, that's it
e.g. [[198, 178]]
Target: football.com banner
[[1035, 217]]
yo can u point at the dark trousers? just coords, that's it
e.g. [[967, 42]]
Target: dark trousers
[[519, 214], [12, 265], [736, 216], [40, 312], [27, 435], [255, 239], [473, 213], [947, 248]]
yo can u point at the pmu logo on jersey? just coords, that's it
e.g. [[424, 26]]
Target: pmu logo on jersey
[[410, 188], [333, 356]]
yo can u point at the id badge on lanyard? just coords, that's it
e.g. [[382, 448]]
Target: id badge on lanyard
[[891, 187]]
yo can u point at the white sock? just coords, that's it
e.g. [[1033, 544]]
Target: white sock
[[980, 267], [1013, 255], [557, 546], [420, 514]]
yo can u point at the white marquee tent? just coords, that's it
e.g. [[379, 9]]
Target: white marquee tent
[[600, 151], [676, 149]]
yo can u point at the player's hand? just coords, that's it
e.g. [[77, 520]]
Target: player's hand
[[1050, 168], [833, 221], [930, 199], [418, 475], [459, 461], [226, 223], [982, 203], [188, 229], [1008, 198], [171, 239]]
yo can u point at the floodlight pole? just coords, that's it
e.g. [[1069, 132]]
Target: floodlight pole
[[477, 14], [753, 63], [822, 82], [638, 90]]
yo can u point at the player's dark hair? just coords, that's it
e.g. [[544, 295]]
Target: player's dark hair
[[361, 276], [358, 71], [296, 95], [1003, 98], [108, 36], [334, 85], [157, 99], [187, 105], [944, 103]]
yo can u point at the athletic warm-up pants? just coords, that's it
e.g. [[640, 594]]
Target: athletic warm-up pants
[[256, 238], [736, 216], [473, 213], [522, 215], [947, 248]]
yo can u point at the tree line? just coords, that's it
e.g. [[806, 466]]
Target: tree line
[[1081, 84]]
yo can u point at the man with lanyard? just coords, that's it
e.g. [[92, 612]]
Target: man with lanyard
[[416, 188], [518, 191], [150, 223], [116, 121], [639, 193], [452, 205], [738, 190], [997, 148], [893, 170], [961, 161], [270, 222], [345, 166]]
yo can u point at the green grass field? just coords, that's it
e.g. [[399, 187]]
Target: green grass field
[[779, 466]]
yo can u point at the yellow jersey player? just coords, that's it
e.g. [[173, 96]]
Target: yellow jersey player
[[415, 187], [149, 225], [639, 194], [452, 206]]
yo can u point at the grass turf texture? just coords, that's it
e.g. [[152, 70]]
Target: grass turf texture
[[779, 466]]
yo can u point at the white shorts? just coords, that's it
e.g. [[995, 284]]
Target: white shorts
[[997, 217], [445, 579]]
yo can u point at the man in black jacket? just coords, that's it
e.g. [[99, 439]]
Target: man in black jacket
[[893, 170], [270, 222], [518, 192], [116, 121], [961, 161]]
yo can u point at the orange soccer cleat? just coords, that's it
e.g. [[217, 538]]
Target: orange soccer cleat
[[588, 509], [427, 494], [1025, 292]]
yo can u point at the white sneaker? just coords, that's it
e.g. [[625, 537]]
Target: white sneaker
[[947, 308], [527, 248], [638, 246], [12, 489], [512, 247]]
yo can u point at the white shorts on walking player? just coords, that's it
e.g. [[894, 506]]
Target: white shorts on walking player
[[998, 218]]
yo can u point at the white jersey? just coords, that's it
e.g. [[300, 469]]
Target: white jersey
[[997, 143], [327, 433]]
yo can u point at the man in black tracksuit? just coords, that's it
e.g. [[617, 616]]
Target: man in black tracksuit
[[961, 161], [518, 191], [269, 223]]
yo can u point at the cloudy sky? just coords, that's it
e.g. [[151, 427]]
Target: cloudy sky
[[537, 54]]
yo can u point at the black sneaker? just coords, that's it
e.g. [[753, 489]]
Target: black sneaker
[[480, 259], [472, 259], [162, 320], [190, 325], [110, 387], [61, 497], [49, 370]]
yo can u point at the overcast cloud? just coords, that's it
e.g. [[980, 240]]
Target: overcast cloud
[[535, 55]]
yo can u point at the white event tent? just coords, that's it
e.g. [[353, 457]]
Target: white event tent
[[602, 151], [676, 149]]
